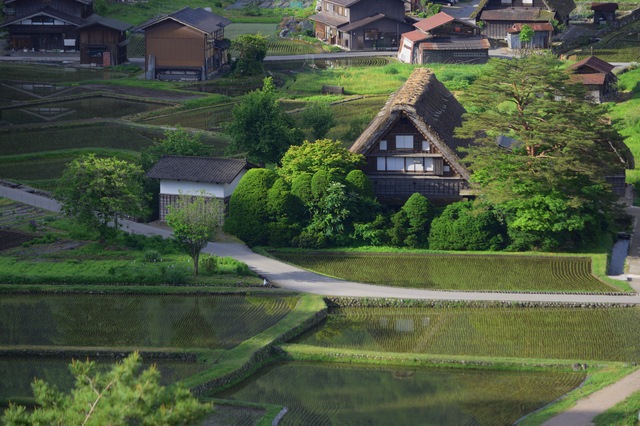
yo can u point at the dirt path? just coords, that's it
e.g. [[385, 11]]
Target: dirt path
[[586, 409]]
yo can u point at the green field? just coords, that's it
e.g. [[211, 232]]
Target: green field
[[611, 334], [627, 114], [453, 271], [397, 396], [127, 321]]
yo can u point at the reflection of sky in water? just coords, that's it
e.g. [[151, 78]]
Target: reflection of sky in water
[[93, 107]]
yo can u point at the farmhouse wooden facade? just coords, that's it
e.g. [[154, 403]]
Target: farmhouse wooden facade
[[188, 44], [542, 34], [103, 41], [217, 177], [410, 147], [499, 16], [65, 25], [443, 38], [598, 78], [361, 24]]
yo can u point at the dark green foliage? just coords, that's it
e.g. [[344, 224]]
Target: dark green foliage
[[358, 182], [260, 128], [175, 142], [248, 207], [145, 243], [320, 183], [411, 224], [319, 118], [208, 264], [252, 49], [287, 212], [374, 233], [549, 185], [465, 226], [301, 187], [356, 127]]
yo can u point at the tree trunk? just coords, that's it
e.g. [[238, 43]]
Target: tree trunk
[[195, 263]]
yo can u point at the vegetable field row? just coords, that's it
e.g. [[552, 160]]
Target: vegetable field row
[[455, 272]]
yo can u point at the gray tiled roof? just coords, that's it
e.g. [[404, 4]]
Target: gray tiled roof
[[200, 19], [197, 169], [106, 22]]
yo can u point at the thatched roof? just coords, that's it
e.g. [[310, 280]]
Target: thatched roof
[[432, 109]]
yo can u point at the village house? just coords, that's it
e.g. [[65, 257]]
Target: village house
[[410, 145], [361, 24], [65, 25], [542, 34], [497, 17], [188, 44], [598, 77], [443, 38], [178, 175], [604, 12]]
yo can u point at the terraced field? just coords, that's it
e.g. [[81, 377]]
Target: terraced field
[[611, 334], [454, 272], [351, 395], [126, 321]]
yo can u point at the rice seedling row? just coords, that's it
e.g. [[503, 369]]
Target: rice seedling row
[[213, 322], [611, 334], [352, 395], [458, 272]]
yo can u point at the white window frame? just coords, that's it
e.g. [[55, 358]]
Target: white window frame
[[395, 164], [428, 164], [382, 164], [404, 141], [383, 145], [425, 146]]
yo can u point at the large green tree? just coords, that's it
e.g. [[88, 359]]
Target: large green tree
[[195, 221], [548, 183], [260, 128], [119, 397], [176, 141], [252, 49], [319, 118], [99, 191]]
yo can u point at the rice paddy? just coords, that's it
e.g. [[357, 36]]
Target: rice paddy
[[357, 396], [611, 334], [454, 271], [126, 321]]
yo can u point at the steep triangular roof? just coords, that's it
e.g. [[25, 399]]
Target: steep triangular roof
[[71, 20], [438, 20], [431, 108], [112, 23]]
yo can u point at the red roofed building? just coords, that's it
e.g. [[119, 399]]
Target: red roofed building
[[542, 34], [443, 38], [598, 77]]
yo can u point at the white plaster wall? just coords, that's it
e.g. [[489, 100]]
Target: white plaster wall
[[175, 187]]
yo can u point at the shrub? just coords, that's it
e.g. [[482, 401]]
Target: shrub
[[208, 264], [176, 274], [152, 256], [466, 226], [248, 212], [419, 214]]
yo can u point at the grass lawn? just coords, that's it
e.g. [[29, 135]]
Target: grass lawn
[[627, 113], [498, 272]]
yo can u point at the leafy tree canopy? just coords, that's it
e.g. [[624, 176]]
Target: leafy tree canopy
[[195, 221], [260, 128], [175, 142], [252, 49], [98, 191], [118, 397], [550, 179], [319, 118], [324, 154]]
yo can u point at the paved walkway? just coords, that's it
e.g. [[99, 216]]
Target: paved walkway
[[293, 278]]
